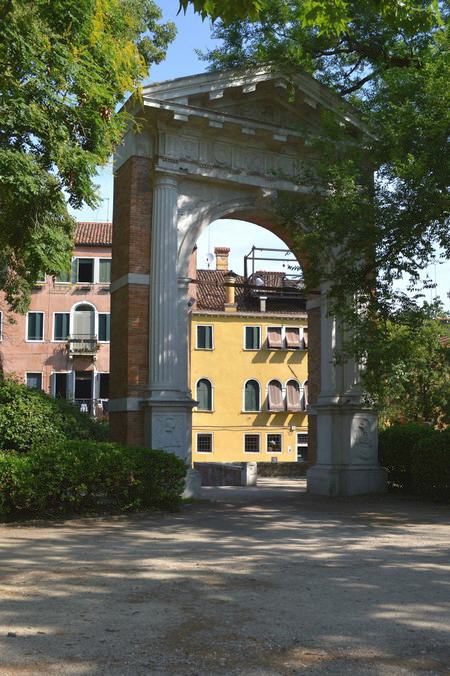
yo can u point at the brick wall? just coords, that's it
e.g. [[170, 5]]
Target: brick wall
[[130, 303]]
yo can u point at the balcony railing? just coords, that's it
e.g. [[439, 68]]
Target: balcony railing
[[82, 344], [97, 408]]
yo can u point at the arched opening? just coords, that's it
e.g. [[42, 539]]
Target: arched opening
[[275, 401], [83, 322], [246, 291], [252, 396], [204, 395]]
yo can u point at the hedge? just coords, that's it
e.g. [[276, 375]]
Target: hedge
[[294, 469], [29, 416], [417, 459], [75, 476]]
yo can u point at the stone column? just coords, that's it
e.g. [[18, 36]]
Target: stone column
[[169, 406], [347, 441]]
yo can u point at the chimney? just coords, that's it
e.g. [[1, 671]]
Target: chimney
[[221, 257], [230, 291]]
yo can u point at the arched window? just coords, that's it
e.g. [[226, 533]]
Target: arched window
[[84, 321], [294, 396], [275, 396], [204, 395], [251, 396], [305, 396]]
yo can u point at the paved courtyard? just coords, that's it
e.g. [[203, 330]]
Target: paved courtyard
[[259, 581]]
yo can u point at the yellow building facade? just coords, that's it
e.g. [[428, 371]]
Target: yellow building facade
[[248, 372]]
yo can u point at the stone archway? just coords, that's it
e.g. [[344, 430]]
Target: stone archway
[[211, 146]]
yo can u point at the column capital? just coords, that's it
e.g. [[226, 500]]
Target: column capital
[[165, 180]]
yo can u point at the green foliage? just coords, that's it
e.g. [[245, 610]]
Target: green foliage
[[389, 63], [287, 469], [417, 459], [431, 466], [64, 68], [227, 10], [30, 417], [75, 476], [409, 374]]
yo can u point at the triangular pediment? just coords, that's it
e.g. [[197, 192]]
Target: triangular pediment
[[260, 95]]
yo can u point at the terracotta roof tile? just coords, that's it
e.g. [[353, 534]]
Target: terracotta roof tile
[[211, 293], [89, 233]]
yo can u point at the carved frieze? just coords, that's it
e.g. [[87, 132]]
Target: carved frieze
[[237, 157]]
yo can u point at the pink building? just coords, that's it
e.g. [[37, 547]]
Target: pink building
[[62, 344]]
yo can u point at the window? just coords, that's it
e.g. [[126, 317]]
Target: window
[[275, 396], [293, 337], [104, 327], [60, 381], [305, 396], [302, 447], [204, 395], [35, 326], [274, 338], [305, 339], [204, 337], [287, 337], [251, 443], [103, 385], [204, 443], [104, 273], [252, 337], [85, 270], [41, 279], [34, 381], [251, 396], [63, 277], [61, 325], [274, 443], [294, 396]]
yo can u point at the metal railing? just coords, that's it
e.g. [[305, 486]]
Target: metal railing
[[84, 344], [97, 408]]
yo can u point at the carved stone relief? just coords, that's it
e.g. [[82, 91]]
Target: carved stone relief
[[364, 438], [237, 157], [168, 430]]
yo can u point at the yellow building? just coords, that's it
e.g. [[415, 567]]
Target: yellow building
[[248, 367]]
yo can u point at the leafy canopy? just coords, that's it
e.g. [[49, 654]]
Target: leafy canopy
[[389, 61], [65, 65]]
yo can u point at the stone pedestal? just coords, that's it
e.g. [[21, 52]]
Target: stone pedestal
[[347, 450]]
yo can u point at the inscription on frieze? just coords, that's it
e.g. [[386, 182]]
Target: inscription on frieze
[[238, 157]]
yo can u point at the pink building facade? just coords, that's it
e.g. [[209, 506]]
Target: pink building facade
[[62, 344]]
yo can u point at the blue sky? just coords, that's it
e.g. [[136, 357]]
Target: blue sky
[[181, 59]]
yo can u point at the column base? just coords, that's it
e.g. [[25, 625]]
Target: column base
[[341, 480], [192, 485], [168, 425]]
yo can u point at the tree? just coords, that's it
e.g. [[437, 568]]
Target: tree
[[389, 62], [64, 68], [411, 380]]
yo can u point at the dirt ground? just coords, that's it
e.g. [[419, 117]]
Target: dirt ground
[[262, 581]]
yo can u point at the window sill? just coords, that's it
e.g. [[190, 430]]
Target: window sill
[[201, 410]]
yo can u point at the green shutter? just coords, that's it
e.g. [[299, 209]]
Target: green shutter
[[105, 271], [104, 327]]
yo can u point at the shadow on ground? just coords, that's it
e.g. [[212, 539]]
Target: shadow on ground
[[254, 581]]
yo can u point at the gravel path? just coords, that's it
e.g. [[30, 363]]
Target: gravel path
[[262, 581]]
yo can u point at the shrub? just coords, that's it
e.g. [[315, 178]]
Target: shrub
[[30, 417], [395, 449], [294, 469], [417, 458], [75, 476], [431, 466]]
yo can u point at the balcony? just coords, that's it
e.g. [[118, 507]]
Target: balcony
[[83, 345], [96, 408]]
